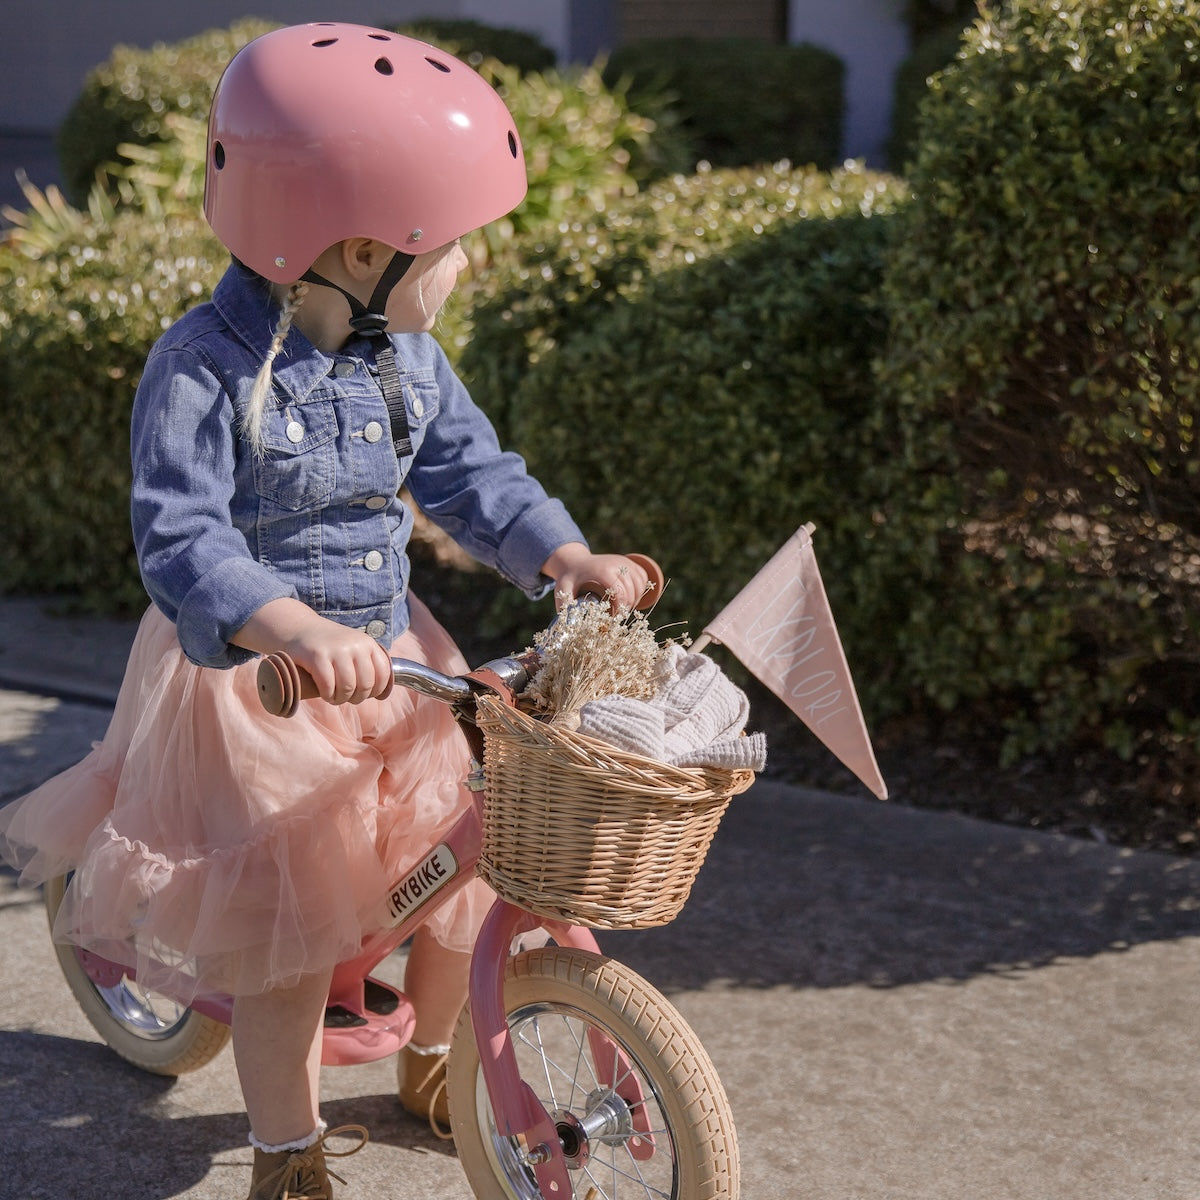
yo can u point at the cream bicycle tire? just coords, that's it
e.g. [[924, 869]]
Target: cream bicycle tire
[[163, 1039], [695, 1156]]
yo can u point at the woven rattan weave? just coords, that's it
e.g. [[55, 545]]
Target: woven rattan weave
[[580, 831]]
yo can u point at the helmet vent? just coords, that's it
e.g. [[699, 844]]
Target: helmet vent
[[383, 66], [218, 155], [512, 143], [441, 66], [379, 37], [323, 43]]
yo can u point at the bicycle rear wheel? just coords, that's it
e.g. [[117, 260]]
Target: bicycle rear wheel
[[677, 1143], [144, 1028]]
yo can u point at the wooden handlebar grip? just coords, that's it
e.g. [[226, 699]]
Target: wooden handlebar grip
[[282, 685], [655, 575], [648, 598]]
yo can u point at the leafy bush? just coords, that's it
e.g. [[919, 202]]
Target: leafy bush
[[126, 99], [692, 372], [85, 296], [741, 102], [585, 146], [1046, 354]]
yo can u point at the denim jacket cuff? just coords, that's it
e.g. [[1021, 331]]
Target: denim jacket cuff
[[236, 588], [530, 540]]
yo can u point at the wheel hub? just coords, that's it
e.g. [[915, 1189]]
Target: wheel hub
[[607, 1120]]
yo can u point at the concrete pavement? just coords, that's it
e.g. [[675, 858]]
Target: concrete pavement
[[903, 1005]]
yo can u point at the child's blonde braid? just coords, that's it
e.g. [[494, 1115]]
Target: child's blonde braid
[[252, 427]]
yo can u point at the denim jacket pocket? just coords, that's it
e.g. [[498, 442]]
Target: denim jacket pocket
[[298, 468], [420, 399]]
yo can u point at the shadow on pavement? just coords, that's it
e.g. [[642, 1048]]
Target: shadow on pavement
[[814, 890], [83, 1111]]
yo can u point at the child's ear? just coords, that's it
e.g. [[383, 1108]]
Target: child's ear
[[363, 257]]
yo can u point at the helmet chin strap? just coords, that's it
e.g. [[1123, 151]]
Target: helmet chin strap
[[370, 320]]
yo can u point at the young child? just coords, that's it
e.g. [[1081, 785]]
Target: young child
[[216, 848]]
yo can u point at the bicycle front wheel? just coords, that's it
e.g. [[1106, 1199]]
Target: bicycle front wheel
[[144, 1028], [637, 1103]]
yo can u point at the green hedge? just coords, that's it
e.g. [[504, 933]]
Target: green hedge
[[742, 102], [696, 418], [692, 373], [71, 353], [585, 145], [562, 280], [1046, 353]]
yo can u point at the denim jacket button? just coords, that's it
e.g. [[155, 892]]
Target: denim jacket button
[[373, 560], [373, 431], [376, 502], [295, 432], [343, 369], [376, 629], [418, 407]]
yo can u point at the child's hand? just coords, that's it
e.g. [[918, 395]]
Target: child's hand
[[574, 568], [347, 665]]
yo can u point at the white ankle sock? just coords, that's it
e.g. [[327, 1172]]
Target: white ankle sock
[[428, 1049], [300, 1143]]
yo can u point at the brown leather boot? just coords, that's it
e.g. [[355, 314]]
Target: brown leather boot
[[301, 1174], [421, 1079]]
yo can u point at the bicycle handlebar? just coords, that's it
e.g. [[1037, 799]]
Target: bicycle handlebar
[[282, 684]]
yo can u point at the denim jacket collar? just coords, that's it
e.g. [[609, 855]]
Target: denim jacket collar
[[245, 303]]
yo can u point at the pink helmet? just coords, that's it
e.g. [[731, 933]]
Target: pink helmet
[[328, 131]]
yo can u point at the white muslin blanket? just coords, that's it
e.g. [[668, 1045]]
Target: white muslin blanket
[[695, 720]]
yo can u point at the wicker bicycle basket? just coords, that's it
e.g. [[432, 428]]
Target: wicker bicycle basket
[[580, 831]]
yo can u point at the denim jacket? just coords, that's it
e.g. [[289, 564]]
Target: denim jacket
[[221, 530]]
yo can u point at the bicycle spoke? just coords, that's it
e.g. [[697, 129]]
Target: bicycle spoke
[[612, 1170], [636, 1177]]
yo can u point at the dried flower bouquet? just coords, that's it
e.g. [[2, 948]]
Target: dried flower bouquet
[[591, 652]]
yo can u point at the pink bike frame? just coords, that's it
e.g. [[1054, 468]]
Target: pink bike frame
[[420, 888]]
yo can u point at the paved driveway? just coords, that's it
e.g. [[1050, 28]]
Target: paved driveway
[[902, 1005]]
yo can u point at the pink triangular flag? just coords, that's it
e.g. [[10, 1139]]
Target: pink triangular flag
[[781, 628]]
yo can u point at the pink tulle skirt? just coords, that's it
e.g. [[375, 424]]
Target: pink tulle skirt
[[219, 849]]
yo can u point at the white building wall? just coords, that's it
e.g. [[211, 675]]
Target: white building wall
[[871, 38]]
